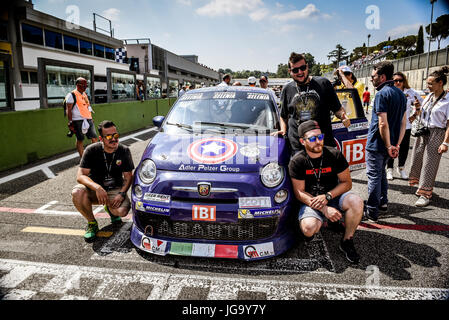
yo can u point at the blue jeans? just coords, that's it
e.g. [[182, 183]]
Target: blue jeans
[[377, 181]]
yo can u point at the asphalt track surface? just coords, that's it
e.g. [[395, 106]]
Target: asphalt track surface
[[404, 256]]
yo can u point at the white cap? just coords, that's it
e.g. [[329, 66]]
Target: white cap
[[346, 69], [252, 80]]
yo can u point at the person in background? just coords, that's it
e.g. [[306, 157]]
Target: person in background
[[182, 91], [140, 91], [366, 99], [349, 81], [433, 141], [226, 80], [263, 81], [400, 81], [252, 81], [237, 83], [79, 114]]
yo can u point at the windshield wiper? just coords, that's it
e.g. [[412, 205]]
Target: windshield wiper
[[225, 124], [181, 125], [234, 125]]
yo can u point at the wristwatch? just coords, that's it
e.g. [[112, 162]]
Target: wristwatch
[[328, 196], [123, 194]]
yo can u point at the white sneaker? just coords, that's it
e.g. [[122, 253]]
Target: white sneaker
[[422, 202], [389, 174], [402, 173]]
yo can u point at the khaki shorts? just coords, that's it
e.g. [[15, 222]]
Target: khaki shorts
[[111, 194]]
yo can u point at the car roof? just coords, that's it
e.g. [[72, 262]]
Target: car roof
[[228, 89]]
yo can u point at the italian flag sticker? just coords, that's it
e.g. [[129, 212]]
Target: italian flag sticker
[[204, 250]]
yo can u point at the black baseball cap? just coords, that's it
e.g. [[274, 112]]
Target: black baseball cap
[[307, 126]]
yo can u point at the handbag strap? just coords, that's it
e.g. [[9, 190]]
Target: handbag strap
[[433, 105]]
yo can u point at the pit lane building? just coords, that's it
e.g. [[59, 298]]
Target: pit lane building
[[41, 56]]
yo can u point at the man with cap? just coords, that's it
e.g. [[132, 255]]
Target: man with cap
[[349, 81], [322, 182], [252, 81]]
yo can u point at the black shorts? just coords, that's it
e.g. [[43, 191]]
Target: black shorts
[[90, 134]]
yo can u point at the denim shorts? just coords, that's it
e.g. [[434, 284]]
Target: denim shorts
[[337, 203]]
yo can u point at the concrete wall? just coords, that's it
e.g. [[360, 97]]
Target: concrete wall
[[27, 136]]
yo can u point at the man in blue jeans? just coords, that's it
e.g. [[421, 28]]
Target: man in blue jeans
[[385, 134]]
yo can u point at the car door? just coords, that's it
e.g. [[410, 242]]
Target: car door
[[352, 140]]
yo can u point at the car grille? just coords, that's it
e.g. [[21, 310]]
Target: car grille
[[244, 229]]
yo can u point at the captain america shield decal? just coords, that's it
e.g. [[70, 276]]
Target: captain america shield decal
[[212, 150]]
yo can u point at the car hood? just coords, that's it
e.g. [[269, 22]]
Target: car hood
[[226, 153]]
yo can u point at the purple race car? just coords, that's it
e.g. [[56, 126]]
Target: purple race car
[[213, 182]]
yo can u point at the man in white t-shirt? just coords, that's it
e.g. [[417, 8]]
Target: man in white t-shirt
[[226, 80], [79, 114]]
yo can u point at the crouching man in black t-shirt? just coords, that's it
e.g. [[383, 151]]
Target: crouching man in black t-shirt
[[321, 181], [104, 177]]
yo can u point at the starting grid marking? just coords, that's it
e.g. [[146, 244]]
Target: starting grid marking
[[64, 280]]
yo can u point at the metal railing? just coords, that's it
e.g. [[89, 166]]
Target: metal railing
[[418, 61]]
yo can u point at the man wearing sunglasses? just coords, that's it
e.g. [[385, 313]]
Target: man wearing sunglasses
[[104, 177], [322, 182], [308, 98]]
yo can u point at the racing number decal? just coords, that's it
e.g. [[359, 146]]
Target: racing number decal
[[354, 151], [204, 213]]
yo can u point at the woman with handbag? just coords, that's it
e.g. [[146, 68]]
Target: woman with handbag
[[432, 136], [400, 81]]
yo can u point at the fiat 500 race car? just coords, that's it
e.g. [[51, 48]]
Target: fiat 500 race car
[[213, 182]]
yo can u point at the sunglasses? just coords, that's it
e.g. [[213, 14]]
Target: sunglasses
[[313, 138], [262, 80], [398, 80], [302, 68], [346, 73], [109, 137]]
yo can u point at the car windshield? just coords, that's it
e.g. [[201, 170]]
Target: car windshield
[[222, 111]]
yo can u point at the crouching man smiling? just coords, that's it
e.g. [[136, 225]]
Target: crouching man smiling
[[322, 181]]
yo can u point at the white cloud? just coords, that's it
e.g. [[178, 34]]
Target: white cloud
[[111, 14], [229, 7], [404, 30], [259, 14], [184, 2], [309, 12]]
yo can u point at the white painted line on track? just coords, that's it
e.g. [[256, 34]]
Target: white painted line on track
[[45, 166], [167, 286]]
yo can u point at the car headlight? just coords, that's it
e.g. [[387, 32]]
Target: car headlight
[[138, 191], [272, 175], [147, 171]]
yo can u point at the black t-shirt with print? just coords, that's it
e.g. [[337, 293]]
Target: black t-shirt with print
[[315, 100], [120, 161], [302, 167]]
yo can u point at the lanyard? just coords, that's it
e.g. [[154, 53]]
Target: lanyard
[[108, 168], [317, 177]]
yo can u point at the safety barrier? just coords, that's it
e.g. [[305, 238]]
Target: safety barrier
[[28, 136]]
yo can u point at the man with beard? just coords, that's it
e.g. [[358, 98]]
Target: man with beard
[[322, 181], [308, 98]]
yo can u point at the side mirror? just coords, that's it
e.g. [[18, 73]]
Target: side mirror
[[157, 121]]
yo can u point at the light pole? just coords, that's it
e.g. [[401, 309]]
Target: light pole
[[430, 38], [367, 47]]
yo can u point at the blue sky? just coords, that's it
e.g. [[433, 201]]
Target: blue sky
[[254, 34]]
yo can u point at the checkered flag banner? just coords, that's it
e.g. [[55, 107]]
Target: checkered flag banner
[[120, 55]]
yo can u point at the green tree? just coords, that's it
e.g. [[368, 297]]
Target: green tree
[[338, 54], [440, 28], [420, 41], [282, 71]]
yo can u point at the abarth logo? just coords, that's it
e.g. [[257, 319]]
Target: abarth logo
[[204, 189]]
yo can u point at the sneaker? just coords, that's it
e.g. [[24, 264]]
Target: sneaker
[[389, 174], [336, 226], [91, 231], [422, 202], [347, 247], [114, 219], [383, 208], [402, 173], [367, 215]]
